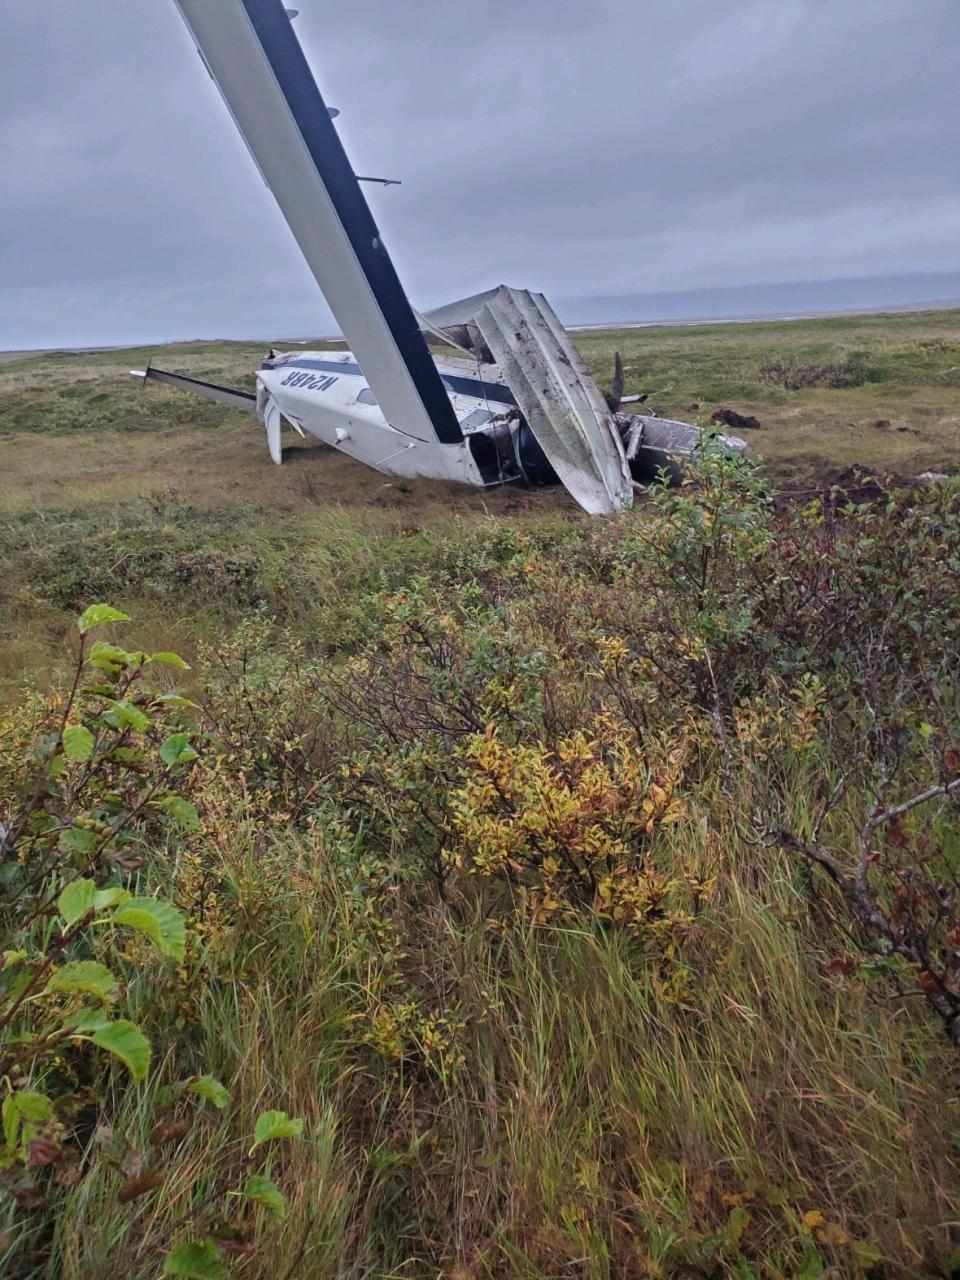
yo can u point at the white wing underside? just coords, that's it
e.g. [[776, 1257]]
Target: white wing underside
[[558, 397], [287, 128]]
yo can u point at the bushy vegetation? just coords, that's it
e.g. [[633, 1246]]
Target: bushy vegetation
[[586, 891], [793, 375]]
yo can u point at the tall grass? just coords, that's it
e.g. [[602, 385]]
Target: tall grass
[[491, 887], [583, 1123]]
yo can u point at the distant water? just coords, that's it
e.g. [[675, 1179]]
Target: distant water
[[734, 304], [743, 303], [939, 304]]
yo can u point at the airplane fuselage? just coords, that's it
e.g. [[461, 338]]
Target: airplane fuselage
[[325, 394]]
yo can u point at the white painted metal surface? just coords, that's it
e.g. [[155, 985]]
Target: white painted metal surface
[[235, 57], [558, 397], [331, 406], [673, 436]]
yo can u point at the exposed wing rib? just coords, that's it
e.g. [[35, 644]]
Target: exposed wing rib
[[251, 51], [520, 333]]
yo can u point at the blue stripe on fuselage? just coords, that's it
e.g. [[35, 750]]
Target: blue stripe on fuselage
[[461, 386]]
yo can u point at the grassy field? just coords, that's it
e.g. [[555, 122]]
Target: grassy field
[[106, 484], [901, 415], [521, 855]]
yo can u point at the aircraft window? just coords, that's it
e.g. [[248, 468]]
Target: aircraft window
[[478, 418], [366, 396]]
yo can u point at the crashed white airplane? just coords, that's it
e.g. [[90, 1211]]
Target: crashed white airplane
[[518, 406]]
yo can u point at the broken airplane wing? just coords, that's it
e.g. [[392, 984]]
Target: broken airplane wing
[[253, 55], [524, 409]]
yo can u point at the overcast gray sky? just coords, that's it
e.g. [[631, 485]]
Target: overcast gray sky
[[583, 147]]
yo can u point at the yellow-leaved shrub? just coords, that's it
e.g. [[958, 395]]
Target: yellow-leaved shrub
[[569, 824]]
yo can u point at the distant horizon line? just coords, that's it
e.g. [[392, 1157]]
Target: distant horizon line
[[773, 317], [757, 316]]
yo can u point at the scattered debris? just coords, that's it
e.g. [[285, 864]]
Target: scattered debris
[[881, 424], [737, 421], [933, 477]]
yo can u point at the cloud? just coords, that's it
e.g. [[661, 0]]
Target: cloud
[[584, 148], [748, 37]]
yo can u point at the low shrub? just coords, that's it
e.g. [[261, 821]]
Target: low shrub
[[89, 781], [796, 375], [594, 906]]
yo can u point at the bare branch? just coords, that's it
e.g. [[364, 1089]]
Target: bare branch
[[895, 811], [816, 853]]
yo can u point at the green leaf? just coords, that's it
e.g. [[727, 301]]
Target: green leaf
[[169, 660], [177, 750], [87, 1021], [159, 920], [211, 1089], [171, 747], [78, 742], [177, 700], [272, 1125], [868, 1255], [182, 810], [77, 840], [197, 1260], [95, 615], [11, 1121], [84, 976], [108, 657], [737, 1225], [34, 1106], [76, 900], [811, 1268], [266, 1193], [28, 1105], [127, 1042], [104, 898], [14, 980], [124, 713]]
